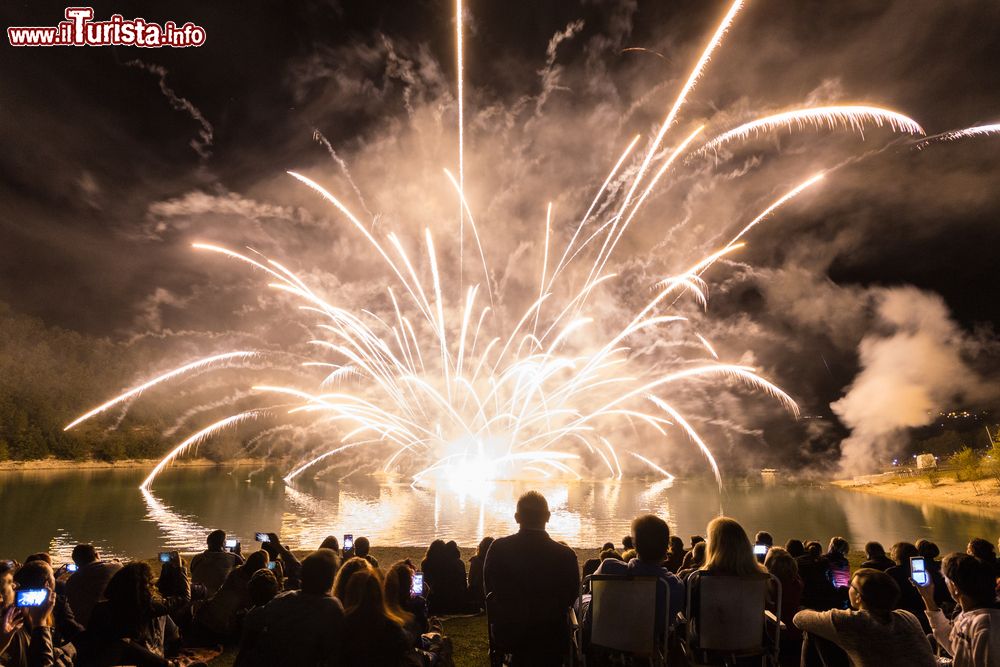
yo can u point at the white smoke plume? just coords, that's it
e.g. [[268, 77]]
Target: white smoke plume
[[911, 370]]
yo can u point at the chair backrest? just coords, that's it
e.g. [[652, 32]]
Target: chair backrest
[[518, 624], [623, 613], [729, 612]]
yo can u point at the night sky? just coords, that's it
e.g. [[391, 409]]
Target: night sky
[[880, 285]]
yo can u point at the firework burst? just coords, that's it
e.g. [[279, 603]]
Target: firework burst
[[435, 397]]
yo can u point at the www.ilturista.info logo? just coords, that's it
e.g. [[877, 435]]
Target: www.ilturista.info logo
[[79, 29]]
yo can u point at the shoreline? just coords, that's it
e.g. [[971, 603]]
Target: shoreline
[[977, 495], [124, 464]]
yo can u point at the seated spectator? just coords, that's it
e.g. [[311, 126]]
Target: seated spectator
[[11, 618], [651, 536], [795, 548], [211, 567], [350, 566], [628, 555], [874, 635], [29, 637], [839, 569], [695, 540], [627, 543], [130, 627], [444, 576], [535, 579], [286, 560], [263, 588], [930, 553], [781, 564], [372, 634], [818, 592], [728, 551], [590, 565], [610, 553], [477, 595], [330, 542], [675, 554], [970, 638], [218, 619], [984, 551], [174, 588], [763, 537], [85, 587], [694, 559], [362, 547], [876, 558], [305, 627], [909, 598], [411, 609]]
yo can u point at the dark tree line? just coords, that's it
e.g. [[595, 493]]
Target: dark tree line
[[48, 376]]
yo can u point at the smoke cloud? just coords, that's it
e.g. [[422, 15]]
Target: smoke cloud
[[913, 367]]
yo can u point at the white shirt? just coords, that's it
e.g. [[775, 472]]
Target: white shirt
[[969, 638]]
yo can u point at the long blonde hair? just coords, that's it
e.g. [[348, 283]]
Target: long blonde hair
[[729, 551]]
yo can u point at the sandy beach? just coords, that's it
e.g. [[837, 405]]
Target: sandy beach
[[980, 494], [93, 464]]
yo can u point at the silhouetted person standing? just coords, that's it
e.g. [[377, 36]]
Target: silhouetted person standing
[[533, 581]]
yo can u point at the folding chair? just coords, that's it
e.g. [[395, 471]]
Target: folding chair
[[728, 622], [623, 621], [520, 627]]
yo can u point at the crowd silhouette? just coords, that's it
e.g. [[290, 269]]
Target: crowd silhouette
[[721, 599]]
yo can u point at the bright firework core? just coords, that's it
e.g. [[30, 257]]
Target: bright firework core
[[449, 385]]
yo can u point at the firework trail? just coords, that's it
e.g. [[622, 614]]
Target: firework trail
[[460, 85], [639, 49], [177, 372], [850, 117], [975, 131], [465, 398], [319, 137]]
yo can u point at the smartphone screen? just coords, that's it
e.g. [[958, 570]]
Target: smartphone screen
[[918, 571], [841, 576], [71, 567], [417, 585], [231, 543], [32, 597], [272, 564], [164, 556], [759, 550], [262, 537], [348, 542]]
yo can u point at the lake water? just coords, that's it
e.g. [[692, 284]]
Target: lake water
[[53, 510]]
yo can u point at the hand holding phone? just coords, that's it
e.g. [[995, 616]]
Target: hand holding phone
[[918, 572], [37, 604], [348, 543], [232, 544], [31, 597]]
